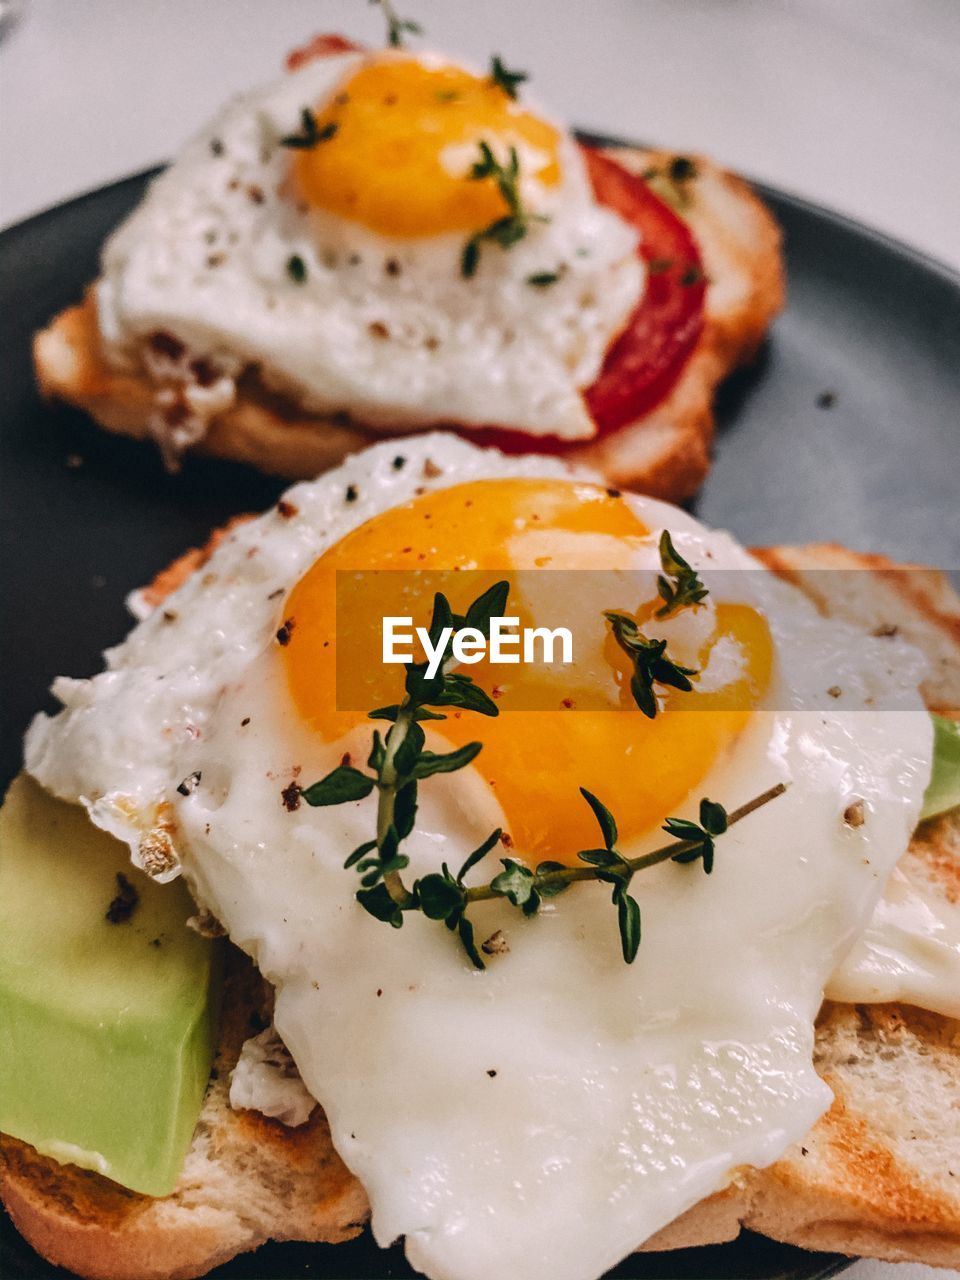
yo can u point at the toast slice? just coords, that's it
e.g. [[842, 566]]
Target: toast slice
[[878, 1175], [666, 453]]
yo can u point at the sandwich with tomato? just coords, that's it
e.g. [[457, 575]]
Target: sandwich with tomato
[[386, 241]]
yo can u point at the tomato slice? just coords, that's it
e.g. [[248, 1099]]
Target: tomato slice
[[646, 360], [643, 364], [321, 46]]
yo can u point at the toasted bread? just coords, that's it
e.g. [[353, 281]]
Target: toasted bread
[[878, 1175], [666, 453]]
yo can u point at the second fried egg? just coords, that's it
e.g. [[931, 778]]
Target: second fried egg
[[315, 232]]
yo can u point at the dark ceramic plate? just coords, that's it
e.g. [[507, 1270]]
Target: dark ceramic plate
[[847, 428]]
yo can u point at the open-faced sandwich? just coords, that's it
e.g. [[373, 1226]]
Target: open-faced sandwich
[[531, 989], [385, 242]]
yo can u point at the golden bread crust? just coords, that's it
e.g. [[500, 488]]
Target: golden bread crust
[[666, 453]]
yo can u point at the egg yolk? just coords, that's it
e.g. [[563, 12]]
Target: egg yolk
[[590, 733], [404, 139]]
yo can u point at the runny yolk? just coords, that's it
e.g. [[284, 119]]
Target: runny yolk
[[535, 760], [406, 137]]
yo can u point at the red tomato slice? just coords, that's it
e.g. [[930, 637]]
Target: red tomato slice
[[321, 46], [644, 362]]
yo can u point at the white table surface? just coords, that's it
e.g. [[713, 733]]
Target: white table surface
[[853, 103], [850, 102]]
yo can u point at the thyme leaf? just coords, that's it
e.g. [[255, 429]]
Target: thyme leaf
[[397, 27], [505, 79], [650, 663], [679, 585], [310, 135], [505, 231]]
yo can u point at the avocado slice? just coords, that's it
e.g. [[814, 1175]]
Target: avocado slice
[[108, 1003]]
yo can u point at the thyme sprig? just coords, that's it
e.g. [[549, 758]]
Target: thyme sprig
[[514, 225], [680, 588], [504, 78], [650, 663], [310, 135], [686, 589], [400, 761], [397, 27]]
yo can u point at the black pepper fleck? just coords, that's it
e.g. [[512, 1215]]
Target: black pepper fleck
[[125, 903], [286, 631], [826, 400], [290, 797], [351, 494]]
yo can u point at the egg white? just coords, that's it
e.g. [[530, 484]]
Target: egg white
[[547, 1116], [411, 344]]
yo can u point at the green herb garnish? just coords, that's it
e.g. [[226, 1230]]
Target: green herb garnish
[[505, 79], [296, 269], [309, 136], [713, 822], [943, 791], [671, 182], [692, 275], [398, 763], [650, 663], [682, 169], [505, 231], [397, 27], [685, 589]]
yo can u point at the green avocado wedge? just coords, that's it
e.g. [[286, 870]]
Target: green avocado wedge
[[106, 1024], [943, 791]]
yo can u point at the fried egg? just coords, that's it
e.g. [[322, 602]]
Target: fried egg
[[334, 271], [548, 1115]]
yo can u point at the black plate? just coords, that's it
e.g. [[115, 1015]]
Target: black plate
[[847, 429]]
